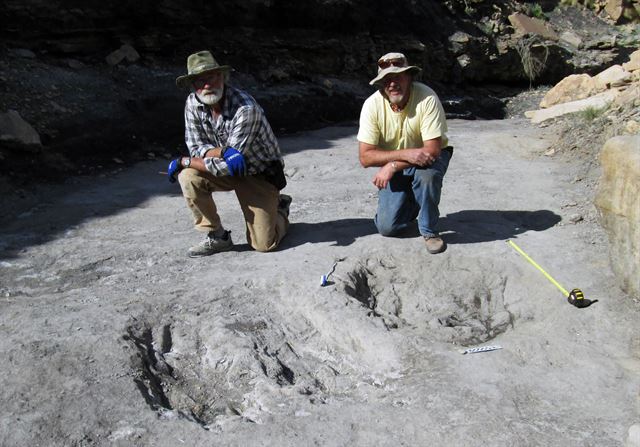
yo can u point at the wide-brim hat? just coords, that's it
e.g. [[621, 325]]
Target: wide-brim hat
[[197, 64], [392, 63]]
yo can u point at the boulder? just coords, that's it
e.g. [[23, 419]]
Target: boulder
[[634, 62], [615, 8], [599, 101], [571, 88], [124, 53], [530, 25], [621, 10], [15, 130], [23, 52], [629, 97], [613, 75], [618, 203], [458, 42]]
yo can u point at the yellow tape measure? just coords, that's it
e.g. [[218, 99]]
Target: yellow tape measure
[[575, 297]]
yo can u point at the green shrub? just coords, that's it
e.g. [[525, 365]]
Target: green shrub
[[591, 113], [536, 11]]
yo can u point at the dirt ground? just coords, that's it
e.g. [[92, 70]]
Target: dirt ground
[[110, 335]]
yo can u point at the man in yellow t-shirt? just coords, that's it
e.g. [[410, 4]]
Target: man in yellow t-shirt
[[403, 132]]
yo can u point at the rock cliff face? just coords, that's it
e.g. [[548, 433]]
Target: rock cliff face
[[279, 40], [64, 69], [618, 202]]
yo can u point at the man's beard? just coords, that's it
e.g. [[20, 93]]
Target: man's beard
[[211, 96], [397, 99]]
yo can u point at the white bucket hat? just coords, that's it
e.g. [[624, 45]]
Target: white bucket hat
[[392, 63]]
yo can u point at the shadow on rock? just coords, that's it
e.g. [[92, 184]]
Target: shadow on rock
[[472, 226], [56, 209], [342, 232], [318, 140]]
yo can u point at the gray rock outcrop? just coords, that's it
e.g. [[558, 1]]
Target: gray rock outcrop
[[15, 130]]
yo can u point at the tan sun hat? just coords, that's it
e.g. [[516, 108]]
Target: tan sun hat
[[197, 64], [392, 63]]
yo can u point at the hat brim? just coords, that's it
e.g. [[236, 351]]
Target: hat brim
[[185, 81], [394, 70]]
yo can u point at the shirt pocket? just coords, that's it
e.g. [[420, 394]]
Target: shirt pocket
[[411, 133]]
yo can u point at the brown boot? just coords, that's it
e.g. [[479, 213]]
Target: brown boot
[[435, 244]]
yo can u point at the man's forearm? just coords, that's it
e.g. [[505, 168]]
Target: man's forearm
[[376, 157], [373, 156], [198, 163], [215, 152], [400, 165]]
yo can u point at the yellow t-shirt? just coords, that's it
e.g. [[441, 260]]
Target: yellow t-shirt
[[422, 119]]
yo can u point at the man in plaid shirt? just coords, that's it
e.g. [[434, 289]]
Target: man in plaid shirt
[[232, 148]]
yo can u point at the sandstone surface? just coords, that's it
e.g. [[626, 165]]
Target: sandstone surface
[[571, 88], [618, 202], [111, 336]]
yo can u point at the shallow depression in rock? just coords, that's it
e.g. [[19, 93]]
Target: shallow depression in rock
[[462, 303], [200, 377]]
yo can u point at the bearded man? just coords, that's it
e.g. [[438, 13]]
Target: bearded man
[[232, 148], [403, 132]]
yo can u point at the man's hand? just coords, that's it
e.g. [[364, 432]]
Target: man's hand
[[418, 157], [384, 174], [235, 161], [371, 155], [174, 168]]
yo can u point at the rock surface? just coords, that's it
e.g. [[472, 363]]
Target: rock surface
[[596, 102], [577, 93], [530, 25], [618, 203], [571, 88], [633, 436], [15, 130], [110, 336], [621, 10], [617, 200]]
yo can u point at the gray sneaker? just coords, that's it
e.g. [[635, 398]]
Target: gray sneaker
[[211, 245], [284, 202]]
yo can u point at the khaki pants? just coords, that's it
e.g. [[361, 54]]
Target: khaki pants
[[258, 199]]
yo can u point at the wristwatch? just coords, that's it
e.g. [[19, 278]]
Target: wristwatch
[[185, 162]]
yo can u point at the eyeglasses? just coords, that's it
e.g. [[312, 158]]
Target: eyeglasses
[[401, 62]]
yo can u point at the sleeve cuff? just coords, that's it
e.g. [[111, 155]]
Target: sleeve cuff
[[203, 151]]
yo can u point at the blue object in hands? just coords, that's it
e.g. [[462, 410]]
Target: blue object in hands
[[235, 161], [174, 167]]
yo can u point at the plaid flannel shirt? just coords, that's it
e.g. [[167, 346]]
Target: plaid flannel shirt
[[241, 125]]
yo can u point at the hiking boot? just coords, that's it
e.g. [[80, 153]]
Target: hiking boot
[[284, 201], [435, 244], [211, 245]]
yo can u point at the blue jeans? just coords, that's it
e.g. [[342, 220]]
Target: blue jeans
[[412, 192]]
